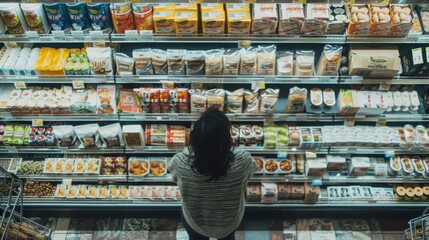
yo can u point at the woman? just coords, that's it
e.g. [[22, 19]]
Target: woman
[[212, 177]]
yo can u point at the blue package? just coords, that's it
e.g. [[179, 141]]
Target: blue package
[[58, 17], [79, 16], [100, 17]]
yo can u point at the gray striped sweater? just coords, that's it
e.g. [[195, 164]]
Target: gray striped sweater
[[214, 208]]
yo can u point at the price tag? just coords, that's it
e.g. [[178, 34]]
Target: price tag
[[381, 122], [385, 86], [78, 34], [20, 85], [67, 181], [32, 34], [316, 182], [78, 84], [256, 85], [11, 44], [96, 34], [167, 84], [146, 35], [195, 1], [282, 154], [11, 149], [131, 34], [59, 34], [389, 154], [244, 43], [249, 1], [84, 1], [349, 122], [134, 1], [197, 85], [37, 122], [310, 154]]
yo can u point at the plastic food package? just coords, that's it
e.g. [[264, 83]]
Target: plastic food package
[[143, 16], [79, 17], [198, 100], [380, 20], [138, 167], [251, 101], [84, 101], [330, 61], [264, 18], [13, 18], [304, 63], [122, 17], [269, 193], [176, 61], [88, 135], [100, 17], [195, 62], [159, 61], [8, 67], [239, 22], [106, 99], [100, 60], [253, 192], [316, 20], [285, 63], [58, 17], [234, 101], [35, 17], [133, 135], [128, 102], [266, 62], [359, 20], [248, 61], [163, 21], [143, 61], [216, 99], [179, 99], [111, 135], [296, 100], [158, 167], [65, 135], [214, 61], [268, 100], [291, 18], [231, 61], [124, 64], [22, 61]]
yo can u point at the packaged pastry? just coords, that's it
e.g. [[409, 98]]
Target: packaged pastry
[[13, 18], [61, 191], [253, 192], [257, 135], [316, 19], [249, 59], [159, 61], [380, 20], [315, 167], [216, 99], [198, 100], [143, 16], [143, 61], [285, 62], [234, 101], [269, 193], [266, 60], [99, 14], [264, 18], [238, 22], [359, 166], [88, 135], [251, 101], [124, 64], [186, 22], [122, 17], [176, 61], [113, 191], [214, 62], [64, 135], [111, 135], [402, 19], [100, 59], [299, 163], [133, 135], [102, 192], [316, 98], [128, 102], [268, 100], [213, 22], [359, 20], [330, 61], [296, 100], [138, 167], [72, 191], [328, 98], [82, 191], [195, 62], [231, 61], [245, 135], [291, 18], [123, 192], [304, 63]]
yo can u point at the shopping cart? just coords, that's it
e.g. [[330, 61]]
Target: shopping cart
[[419, 227], [12, 223]]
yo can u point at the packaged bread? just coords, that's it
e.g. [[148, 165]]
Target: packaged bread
[[251, 101], [100, 59], [214, 61], [124, 64], [330, 60], [213, 22], [285, 62], [359, 20], [304, 63], [186, 22], [195, 62], [159, 61], [268, 100], [249, 59], [291, 18], [264, 18], [216, 99], [253, 192], [234, 101], [316, 20], [143, 61], [163, 21], [296, 100], [176, 61], [231, 61], [198, 100], [238, 22], [266, 62]]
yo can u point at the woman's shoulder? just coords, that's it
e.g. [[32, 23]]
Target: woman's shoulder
[[241, 155]]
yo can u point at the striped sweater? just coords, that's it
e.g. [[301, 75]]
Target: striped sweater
[[214, 208]]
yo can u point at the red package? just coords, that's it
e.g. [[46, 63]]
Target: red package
[[128, 101], [122, 17], [183, 100], [165, 100], [154, 100]]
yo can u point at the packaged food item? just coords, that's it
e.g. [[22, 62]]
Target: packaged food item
[[111, 135], [294, 136], [143, 16], [306, 137], [164, 6], [270, 140], [88, 135], [124, 64], [100, 17], [312, 193], [143, 61], [179, 100], [291, 18], [61, 191], [286, 166], [186, 7], [359, 20], [282, 136], [93, 166], [195, 62], [79, 17], [122, 17], [260, 162], [315, 167], [216, 98], [271, 166], [58, 16], [245, 135], [163, 21], [413, 61], [268, 100], [251, 101], [113, 192], [209, 7], [238, 22], [176, 61], [186, 22], [418, 166], [60, 165], [35, 17], [316, 98], [231, 61], [296, 100], [13, 18], [402, 19], [198, 100], [266, 60], [22, 61], [338, 20], [214, 61], [298, 191], [159, 61], [158, 167], [328, 98], [80, 166], [253, 192], [335, 163], [234, 101], [285, 62], [128, 102], [49, 166], [424, 18], [213, 22], [65, 135], [84, 100], [156, 134], [304, 63], [264, 18], [359, 166], [138, 167], [164, 99], [407, 166], [316, 20], [101, 60], [106, 99], [380, 20], [269, 193], [330, 61], [249, 59], [284, 191], [235, 134], [394, 166]]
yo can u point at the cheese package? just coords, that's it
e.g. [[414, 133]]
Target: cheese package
[[265, 18], [213, 22], [44, 60], [237, 7], [239, 22], [29, 67], [210, 7], [8, 67], [22, 61], [186, 22], [163, 21], [186, 7], [291, 18]]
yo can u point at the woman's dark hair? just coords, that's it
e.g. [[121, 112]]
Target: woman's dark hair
[[210, 144]]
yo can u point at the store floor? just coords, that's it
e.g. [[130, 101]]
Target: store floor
[[250, 229]]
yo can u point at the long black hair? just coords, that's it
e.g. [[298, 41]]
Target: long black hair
[[210, 144]]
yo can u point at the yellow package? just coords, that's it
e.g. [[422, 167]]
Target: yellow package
[[237, 7], [44, 60], [186, 22], [59, 61], [239, 22], [163, 21], [186, 7], [164, 7], [213, 22], [211, 7]]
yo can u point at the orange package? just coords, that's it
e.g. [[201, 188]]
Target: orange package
[[128, 102], [122, 17], [143, 16]]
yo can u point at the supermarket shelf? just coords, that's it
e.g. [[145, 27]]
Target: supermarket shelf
[[56, 79], [215, 1], [388, 117], [396, 80], [240, 79], [51, 38], [86, 178], [375, 150], [59, 117], [384, 40], [371, 179], [55, 150]]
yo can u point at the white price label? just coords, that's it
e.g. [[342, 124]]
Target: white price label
[[282, 154], [197, 85], [77, 34], [244, 43], [381, 122], [78, 84], [417, 56], [310, 154], [67, 181], [167, 84], [349, 122], [385, 86], [95, 34], [59, 34], [20, 85], [37, 122], [131, 34], [256, 85], [146, 35], [32, 34]]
